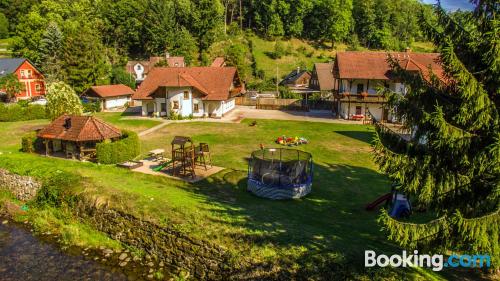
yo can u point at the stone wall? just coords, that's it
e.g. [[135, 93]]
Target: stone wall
[[23, 187], [202, 259]]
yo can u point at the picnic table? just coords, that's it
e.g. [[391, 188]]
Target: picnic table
[[157, 154]]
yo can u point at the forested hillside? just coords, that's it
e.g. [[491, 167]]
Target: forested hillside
[[86, 42]]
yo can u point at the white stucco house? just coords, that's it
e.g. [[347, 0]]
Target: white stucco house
[[358, 78], [189, 91], [110, 96]]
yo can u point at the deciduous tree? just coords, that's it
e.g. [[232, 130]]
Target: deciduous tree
[[62, 99]]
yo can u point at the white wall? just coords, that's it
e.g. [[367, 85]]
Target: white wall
[[228, 105], [116, 102], [374, 108]]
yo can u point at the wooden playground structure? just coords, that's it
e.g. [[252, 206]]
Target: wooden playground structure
[[186, 157]]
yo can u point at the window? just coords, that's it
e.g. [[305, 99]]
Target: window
[[358, 110], [186, 95], [38, 87], [163, 107], [23, 73], [175, 104], [139, 67], [196, 108], [29, 72], [360, 89]]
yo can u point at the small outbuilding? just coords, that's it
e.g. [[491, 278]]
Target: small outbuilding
[[76, 136], [110, 96]]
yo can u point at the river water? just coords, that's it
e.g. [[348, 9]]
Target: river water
[[25, 257]]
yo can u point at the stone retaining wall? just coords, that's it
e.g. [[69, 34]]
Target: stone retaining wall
[[202, 259], [23, 187]]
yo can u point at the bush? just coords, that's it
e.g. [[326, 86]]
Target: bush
[[92, 107], [29, 142], [16, 112], [56, 189], [127, 148]]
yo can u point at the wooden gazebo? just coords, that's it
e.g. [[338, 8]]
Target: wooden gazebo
[[76, 136]]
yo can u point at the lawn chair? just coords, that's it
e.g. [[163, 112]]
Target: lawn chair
[[202, 154]]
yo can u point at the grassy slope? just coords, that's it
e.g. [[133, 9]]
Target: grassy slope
[[329, 222], [286, 64], [4, 48], [311, 55]]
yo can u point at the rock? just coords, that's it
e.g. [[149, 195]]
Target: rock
[[107, 252], [161, 264], [122, 256], [5, 222], [150, 276], [151, 270], [122, 264], [127, 259], [136, 258], [151, 264]]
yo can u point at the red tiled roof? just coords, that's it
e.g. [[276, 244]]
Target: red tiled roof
[[213, 82], [110, 91], [78, 129], [374, 65], [148, 65], [218, 62]]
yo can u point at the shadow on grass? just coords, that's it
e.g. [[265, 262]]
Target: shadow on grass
[[329, 226], [364, 136]]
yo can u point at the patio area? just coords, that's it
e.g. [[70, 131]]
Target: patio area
[[150, 164]]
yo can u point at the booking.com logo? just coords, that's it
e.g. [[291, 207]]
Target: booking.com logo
[[436, 262]]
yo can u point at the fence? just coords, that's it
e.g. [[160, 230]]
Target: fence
[[281, 104], [245, 101], [285, 104]]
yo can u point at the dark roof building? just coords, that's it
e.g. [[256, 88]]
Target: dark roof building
[[9, 66], [297, 78]]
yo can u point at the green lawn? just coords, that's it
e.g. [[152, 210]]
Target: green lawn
[[119, 120], [328, 225], [5, 48]]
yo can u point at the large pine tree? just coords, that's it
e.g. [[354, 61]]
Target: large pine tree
[[451, 164]]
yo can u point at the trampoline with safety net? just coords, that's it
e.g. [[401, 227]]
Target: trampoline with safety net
[[280, 173]]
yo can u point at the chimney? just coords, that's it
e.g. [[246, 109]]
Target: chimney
[[408, 50], [298, 69], [67, 123]]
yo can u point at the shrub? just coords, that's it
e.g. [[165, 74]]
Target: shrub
[[127, 148], [92, 106], [56, 188], [29, 142], [16, 112]]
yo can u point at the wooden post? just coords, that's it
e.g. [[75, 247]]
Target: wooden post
[[46, 147]]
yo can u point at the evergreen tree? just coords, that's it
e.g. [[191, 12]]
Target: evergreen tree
[[4, 26], [85, 60], [62, 99], [50, 52], [365, 20], [451, 165]]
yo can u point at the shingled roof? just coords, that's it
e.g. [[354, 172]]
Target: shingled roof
[[106, 91], [215, 83], [374, 65], [79, 129], [324, 72]]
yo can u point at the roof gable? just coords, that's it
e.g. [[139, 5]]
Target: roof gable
[[324, 73]]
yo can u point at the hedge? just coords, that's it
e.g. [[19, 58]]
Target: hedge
[[30, 143], [127, 148], [16, 112]]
